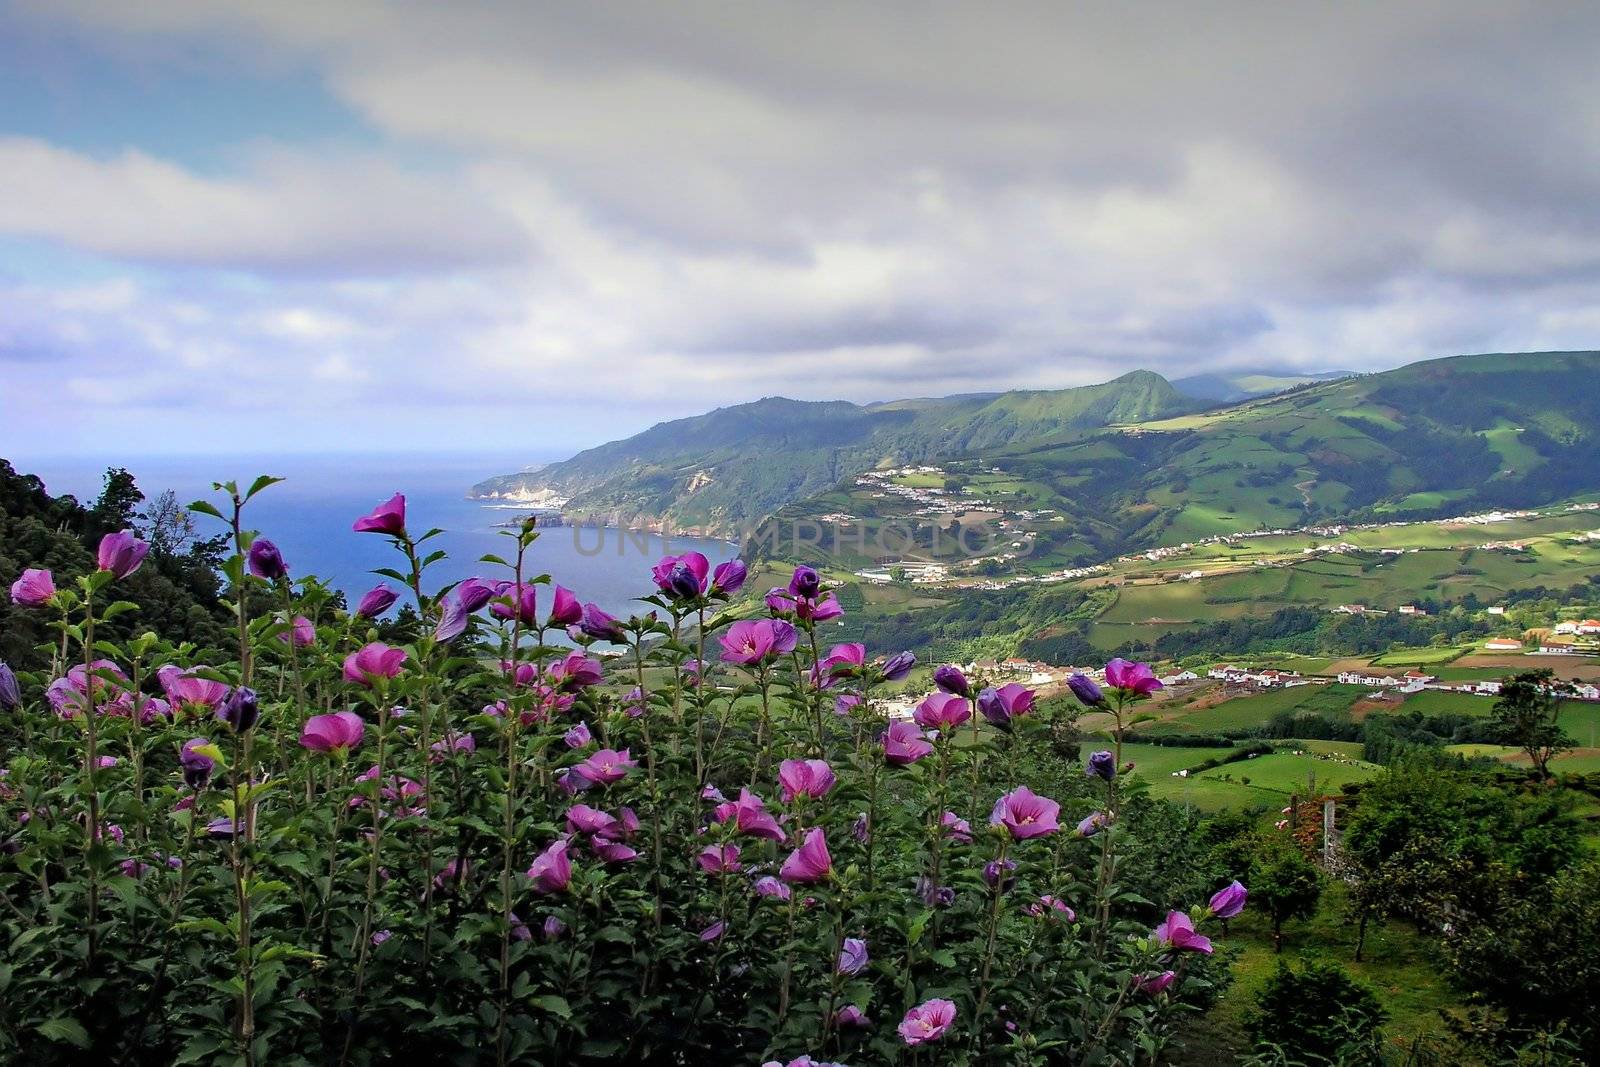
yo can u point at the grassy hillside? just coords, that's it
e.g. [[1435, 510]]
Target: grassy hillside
[[739, 464], [1068, 478], [1431, 439]]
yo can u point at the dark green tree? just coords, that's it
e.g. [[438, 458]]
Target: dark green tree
[[1537, 963], [1318, 1015], [1286, 886], [1527, 715], [117, 506]]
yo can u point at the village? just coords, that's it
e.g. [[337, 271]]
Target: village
[[930, 491], [1049, 679]]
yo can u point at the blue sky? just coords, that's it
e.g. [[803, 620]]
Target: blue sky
[[482, 226]]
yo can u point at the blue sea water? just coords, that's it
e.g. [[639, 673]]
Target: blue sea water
[[309, 516]]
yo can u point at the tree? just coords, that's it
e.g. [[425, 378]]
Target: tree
[[1527, 715], [1287, 886], [115, 508], [167, 525], [1319, 1015], [1536, 961]]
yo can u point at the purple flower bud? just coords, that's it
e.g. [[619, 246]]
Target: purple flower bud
[[387, 518], [452, 621], [121, 553], [853, 956], [1102, 765], [553, 928], [240, 710], [897, 666], [852, 1017], [1229, 900], [806, 582], [992, 872], [265, 561], [1085, 690], [378, 600], [197, 767], [564, 608], [682, 582], [34, 589], [772, 889], [951, 680], [10, 691], [934, 896], [473, 593], [602, 627], [729, 577]]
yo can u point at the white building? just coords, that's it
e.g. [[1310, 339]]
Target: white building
[[1367, 678]]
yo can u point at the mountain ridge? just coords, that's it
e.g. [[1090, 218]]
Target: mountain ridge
[[698, 473], [1418, 439]]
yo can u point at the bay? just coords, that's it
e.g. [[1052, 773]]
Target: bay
[[309, 517]]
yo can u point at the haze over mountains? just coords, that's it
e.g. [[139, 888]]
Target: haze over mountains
[[1134, 460], [739, 463]]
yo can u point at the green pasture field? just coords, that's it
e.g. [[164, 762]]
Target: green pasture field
[[1156, 763], [1506, 440], [1284, 773], [1348, 749], [1420, 657], [1332, 701], [1435, 702]]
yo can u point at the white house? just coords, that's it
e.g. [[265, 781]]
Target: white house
[[1377, 681], [1414, 681]]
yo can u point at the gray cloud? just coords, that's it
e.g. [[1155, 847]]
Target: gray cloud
[[663, 202]]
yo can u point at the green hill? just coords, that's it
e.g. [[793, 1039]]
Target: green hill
[[1431, 439], [738, 464], [1128, 464]]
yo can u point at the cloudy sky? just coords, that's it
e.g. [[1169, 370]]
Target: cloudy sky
[[367, 226]]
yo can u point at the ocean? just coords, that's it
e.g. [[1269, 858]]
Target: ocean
[[309, 516]]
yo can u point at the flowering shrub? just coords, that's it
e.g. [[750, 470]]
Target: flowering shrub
[[524, 831]]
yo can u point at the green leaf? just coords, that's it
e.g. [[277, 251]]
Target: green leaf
[[206, 509], [553, 1004], [209, 749], [66, 1029], [918, 925], [210, 926], [260, 484]]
